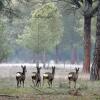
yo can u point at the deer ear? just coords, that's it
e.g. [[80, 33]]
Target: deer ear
[[24, 66], [53, 67], [37, 67], [78, 68], [21, 66]]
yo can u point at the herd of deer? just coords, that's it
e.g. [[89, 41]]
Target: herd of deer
[[36, 76]]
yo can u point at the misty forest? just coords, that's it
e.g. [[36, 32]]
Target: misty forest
[[49, 49]]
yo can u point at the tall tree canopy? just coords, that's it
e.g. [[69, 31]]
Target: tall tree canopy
[[4, 43], [87, 8], [44, 31]]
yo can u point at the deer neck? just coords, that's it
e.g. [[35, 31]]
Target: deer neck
[[38, 72], [77, 73], [23, 72], [53, 72]]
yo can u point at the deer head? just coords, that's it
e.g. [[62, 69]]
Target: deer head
[[38, 69], [77, 70], [24, 68], [53, 69]]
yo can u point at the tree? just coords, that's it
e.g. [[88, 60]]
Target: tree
[[95, 69], [72, 39], [7, 9], [88, 12], [4, 44], [44, 31]]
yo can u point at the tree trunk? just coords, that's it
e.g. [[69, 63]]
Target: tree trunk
[[44, 59], [37, 59], [56, 54], [87, 43], [87, 35], [95, 69]]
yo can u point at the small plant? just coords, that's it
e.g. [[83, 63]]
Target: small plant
[[98, 98]]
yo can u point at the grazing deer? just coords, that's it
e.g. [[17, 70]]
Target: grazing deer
[[49, 77], [73, 76], [36, 78], [20, 76]]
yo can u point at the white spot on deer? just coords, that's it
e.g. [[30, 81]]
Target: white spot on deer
[[33, 74], [70, 75], [18, 74], [45, 75]]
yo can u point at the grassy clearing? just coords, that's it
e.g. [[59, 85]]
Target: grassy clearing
[[15, 91], [86, 90]]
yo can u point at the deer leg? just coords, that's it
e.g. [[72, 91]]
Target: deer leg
[[17, 83], [49, 83], [36, 82], [40, 83], [43, 82], [33, 82], [75, 85], [23, 83], [69, 83], [20, 83]]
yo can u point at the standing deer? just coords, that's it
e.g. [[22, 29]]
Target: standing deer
[[36, 77], [49, 77], [20, 76], [73, 76]]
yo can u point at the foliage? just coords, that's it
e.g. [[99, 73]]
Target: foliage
[[71, 36], [80, 28], [44, 30], [4, 43]]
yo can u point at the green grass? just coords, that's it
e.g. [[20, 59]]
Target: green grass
[[88, 90], [15, 91]]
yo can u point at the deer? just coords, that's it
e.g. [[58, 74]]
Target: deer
[[36, 77], [20, 76], [49, 76], [73, 76]]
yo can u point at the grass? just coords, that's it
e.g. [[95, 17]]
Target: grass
[[15, 91], [87, 90]]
